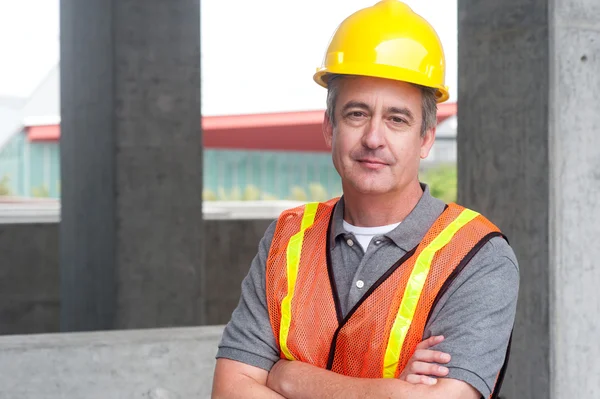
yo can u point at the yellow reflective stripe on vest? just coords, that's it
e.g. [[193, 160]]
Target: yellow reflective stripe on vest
[[413, 290], [294, 251]]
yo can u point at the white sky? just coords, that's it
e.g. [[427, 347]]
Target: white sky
[[29, 43], [257, 56]]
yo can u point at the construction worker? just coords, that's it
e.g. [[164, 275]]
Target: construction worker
[[386, 292]]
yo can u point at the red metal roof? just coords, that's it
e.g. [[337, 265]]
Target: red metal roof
[[299, 131], [295, 131], [43, 133]]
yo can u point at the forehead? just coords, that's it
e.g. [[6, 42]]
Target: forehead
[[378, 91]]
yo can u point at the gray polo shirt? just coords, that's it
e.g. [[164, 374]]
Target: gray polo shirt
[[476, 313]]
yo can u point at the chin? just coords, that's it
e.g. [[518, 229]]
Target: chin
[[371, 188]]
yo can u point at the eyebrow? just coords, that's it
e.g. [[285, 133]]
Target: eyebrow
[[402, 111], [390, 110], [356, 104]]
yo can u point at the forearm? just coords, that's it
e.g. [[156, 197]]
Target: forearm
[[297, 380], [233, 380], [243, 388]]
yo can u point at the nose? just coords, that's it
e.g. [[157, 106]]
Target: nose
[[374, 135]]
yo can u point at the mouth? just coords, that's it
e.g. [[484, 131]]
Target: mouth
[[370, 163]]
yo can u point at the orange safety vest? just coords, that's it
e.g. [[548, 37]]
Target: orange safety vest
[[379, 334]]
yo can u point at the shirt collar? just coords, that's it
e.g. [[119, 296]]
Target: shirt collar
[[410, 232]]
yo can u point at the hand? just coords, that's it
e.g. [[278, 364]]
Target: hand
[[421, 368], [274, 378]]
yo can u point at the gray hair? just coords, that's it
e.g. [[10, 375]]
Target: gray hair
[[428, 102]]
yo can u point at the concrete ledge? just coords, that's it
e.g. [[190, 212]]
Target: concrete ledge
[[29, 211], [175, 363]]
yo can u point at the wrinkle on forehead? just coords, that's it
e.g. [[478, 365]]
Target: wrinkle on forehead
[[380, 94]]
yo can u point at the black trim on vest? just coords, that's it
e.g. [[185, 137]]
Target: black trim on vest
[[459, 268], [500, 379], [449, 281], [380, 281], [334, 291]]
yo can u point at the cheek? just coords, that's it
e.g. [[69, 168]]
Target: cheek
[[342, 145], [336, 147], [407, 151], [337, 151]]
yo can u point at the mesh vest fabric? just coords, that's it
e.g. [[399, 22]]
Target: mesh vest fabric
[[312, 328], [357, 345]]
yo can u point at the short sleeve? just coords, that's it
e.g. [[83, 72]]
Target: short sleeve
[[248, 337], [476, 316]]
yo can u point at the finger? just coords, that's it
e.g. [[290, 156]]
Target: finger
[[430, 356], [431, 369], [431, 341], [420, 379]]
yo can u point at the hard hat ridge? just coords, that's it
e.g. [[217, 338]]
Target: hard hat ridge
[[387, 40]]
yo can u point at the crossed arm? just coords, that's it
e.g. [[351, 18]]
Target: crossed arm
[[297, 380], [464, 321]]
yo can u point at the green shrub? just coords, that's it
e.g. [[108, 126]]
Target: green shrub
[[5, 185], [268, 197], [40, 192], [298, 193], [318, 193], [251, 193], [442, 181], [315, 192], [208, 195]]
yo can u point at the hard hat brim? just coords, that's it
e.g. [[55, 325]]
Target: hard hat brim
[[320, 77]]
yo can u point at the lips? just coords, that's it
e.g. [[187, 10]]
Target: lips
[[372, 163]]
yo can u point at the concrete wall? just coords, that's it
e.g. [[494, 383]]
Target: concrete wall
[[29, 272], [528, 158], [230, 247], [29, 289], [503, 98], [175, 363]]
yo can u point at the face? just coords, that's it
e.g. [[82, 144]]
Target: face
[[376, 142]]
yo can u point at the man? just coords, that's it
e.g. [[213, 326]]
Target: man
[[342, 293]]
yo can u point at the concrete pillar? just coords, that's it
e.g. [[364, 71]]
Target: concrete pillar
[[529, 158], [131, 164]]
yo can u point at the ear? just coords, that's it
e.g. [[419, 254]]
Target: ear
[[427, 142], [327, 130]]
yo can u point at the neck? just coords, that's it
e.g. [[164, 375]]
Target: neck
[[383, 209]]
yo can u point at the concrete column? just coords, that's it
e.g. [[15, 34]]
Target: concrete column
[[131, 164], [529, 158]]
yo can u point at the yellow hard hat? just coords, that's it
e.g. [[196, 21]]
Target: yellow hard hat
[[387, 40]]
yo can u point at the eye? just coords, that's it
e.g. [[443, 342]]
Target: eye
[[398, 120], [356, 115]]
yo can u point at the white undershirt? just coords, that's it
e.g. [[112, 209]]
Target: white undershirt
[[364, 235]]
